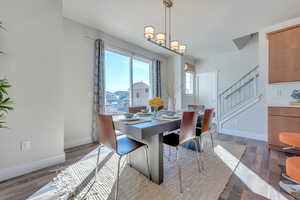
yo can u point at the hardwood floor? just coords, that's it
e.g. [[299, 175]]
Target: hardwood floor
[[266, 163]]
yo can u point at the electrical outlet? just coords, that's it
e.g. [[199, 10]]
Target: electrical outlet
[[25, 146]]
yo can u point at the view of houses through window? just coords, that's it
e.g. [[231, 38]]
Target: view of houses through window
[[127, 82]]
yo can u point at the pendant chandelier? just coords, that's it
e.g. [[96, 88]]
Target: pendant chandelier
[[164, 39]]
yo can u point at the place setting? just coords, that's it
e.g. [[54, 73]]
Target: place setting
[[168, 116], [131, 119]]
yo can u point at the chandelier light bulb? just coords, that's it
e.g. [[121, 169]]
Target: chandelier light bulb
[[174, 45], [182, 49], [149, 32], [160, 38]]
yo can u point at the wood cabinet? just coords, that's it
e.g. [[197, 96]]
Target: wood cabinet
[[284, 55], [282, 119]]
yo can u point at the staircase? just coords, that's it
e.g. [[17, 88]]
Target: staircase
[[240, 96]]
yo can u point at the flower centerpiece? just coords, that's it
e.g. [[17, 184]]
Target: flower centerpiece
[[155, 103]]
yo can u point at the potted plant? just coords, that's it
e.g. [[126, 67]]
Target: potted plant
[[296, 95], [5, 102]]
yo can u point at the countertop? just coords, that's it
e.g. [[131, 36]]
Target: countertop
[[284, 105]]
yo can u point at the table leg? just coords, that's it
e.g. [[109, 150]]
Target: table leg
[[138, 160]]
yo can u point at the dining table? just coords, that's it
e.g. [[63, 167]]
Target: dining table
[[150, 130]]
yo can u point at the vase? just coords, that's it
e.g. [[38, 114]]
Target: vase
[[155, 111]]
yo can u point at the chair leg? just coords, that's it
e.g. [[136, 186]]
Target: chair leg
[[200, 143], [292, 189], [169, 158], [117, 182], [198, 160], [148, 166], [179, 170], [212, 141]]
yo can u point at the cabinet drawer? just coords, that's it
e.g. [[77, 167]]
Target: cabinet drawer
[[284, 111]]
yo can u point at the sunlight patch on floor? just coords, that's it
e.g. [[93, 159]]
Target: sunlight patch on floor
[[254, 182], [78, 177]]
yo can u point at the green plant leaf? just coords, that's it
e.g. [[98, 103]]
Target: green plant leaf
[[6, 104], [6, 108], [3, 90]]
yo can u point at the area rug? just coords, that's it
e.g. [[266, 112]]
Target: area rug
[[75, 180]]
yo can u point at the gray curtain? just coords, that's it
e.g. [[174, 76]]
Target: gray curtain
[[99, 87], [156, 89]]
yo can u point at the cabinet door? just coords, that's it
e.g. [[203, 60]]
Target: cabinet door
[[279, 124], [284, 56]]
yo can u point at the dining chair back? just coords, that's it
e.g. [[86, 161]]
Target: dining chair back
[[136, 109], [107, 134], [206, 121], [188, 126]]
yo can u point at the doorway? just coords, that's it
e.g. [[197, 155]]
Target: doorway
[[207, 91]]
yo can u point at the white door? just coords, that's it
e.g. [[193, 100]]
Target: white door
[[207, 91]]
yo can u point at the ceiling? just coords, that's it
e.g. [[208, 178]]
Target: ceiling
[[206, 26]]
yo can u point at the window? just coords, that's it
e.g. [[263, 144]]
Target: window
[[117, 82], [189, 83], [141, 81], [125, 77]]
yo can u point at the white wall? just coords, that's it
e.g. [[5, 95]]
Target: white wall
[[231, 66], [33, 66], [78, 63], [78, 66]]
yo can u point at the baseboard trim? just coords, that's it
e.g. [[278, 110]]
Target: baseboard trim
[[78, 142], [245, 134], [22, 169]]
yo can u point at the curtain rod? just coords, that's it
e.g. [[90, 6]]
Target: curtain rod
[[114, 47], [90, 38]]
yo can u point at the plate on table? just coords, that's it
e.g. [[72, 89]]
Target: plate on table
[[144, 114], [129, 119], [171, 116]]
